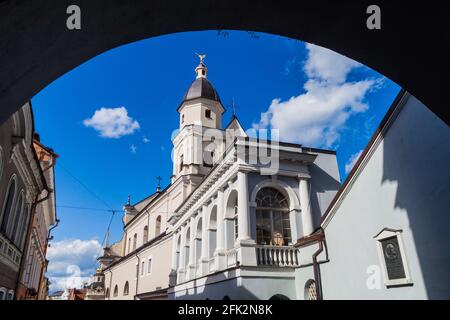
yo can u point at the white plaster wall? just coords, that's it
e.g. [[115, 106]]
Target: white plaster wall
[[405, 185]]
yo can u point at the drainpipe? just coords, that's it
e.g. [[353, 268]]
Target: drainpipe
[[137, 274], [110, 285], [317, 278]]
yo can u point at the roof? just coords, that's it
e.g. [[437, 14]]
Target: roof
[[200, 88]]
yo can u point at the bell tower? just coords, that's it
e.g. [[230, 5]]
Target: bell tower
[[200, 137]]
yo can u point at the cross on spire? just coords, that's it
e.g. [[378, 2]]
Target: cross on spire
[[233, 107], [158, 188]]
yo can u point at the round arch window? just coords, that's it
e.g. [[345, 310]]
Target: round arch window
[[273, 225], [310, 290]]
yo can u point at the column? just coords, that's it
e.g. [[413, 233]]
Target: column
[[204, 256], [219, 254], [191, 265], [305, 203], [204, 231], [181, 267], [243, 212], [246, 251], [174, 265], [220, 221], [182, 245]]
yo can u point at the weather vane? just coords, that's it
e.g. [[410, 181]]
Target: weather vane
[[202, 57]]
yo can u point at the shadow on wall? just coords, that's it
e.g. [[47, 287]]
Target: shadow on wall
[[416, 156], [224, 289], [322, 183]]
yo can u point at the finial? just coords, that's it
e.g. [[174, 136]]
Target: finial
[[201, 69], [202, 57], [158, 188], [233, 107], [129, 201]]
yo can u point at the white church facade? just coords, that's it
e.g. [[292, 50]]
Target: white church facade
[[247, 218]]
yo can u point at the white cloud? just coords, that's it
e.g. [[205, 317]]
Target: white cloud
[[133, 149], [352, 161], [72, 262], [317, 116], [145, 139], [112, 122]]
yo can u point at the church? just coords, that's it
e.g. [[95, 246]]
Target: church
[[251, 217]]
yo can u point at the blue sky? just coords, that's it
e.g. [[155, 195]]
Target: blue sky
[[148, 79]]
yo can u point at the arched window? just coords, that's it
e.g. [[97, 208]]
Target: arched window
[[8, 205], [1, 163], [18, 213], [126, 289], [310, 290], [178, 252], [20, 238], [116, 291], [212, 232], [235, 222], [186, 247], [107, 293], [198, 239], [158, 226], [134, 241], [231, 219], [272, 218], [145, 237]]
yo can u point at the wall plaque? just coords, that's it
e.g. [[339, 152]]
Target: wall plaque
[[393, 258]]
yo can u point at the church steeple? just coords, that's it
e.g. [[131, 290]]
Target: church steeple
[[200, 111]]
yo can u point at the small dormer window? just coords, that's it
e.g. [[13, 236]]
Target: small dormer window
[[208, 113]]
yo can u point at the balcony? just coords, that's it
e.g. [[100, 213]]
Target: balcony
[[277, 256]]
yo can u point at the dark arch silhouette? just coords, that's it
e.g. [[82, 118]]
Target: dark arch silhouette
[[36, 47], [279, 297]]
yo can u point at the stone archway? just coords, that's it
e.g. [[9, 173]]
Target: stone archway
[[37, 47]]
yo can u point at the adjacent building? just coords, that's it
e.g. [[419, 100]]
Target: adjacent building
[[33, 284], [386, 233], [27, 207]]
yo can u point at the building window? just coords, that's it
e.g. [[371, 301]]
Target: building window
[[134, 241], [13, 235], [181, 163], [8, 206], [235, 223], [158, 226], [149, 267], [310, 290], [272, 218], [107, 293], [129, 245], [392, 256], [116, 291], [208, 113], [182, 118], [145, 236], [1, 163], [126, 289], [142, 268]]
